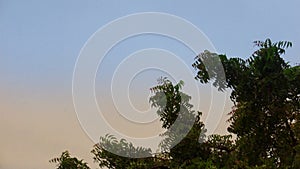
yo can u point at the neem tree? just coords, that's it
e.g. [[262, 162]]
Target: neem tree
[[265, 118], [266, 92]]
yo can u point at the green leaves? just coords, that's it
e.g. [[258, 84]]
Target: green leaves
[[281, 45], [65, 161], [210, 67], [111, 153], [265, 118], [122, 147], [169, 102], [266, 99]]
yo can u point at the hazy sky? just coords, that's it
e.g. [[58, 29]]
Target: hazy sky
[[41, 40]]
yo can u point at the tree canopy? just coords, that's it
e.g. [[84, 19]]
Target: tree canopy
[[265, 90], [265, 118]]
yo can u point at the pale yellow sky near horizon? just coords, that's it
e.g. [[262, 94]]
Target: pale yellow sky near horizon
[[37, 127]]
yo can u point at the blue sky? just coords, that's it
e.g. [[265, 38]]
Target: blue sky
[[43, 38], [40, 42]]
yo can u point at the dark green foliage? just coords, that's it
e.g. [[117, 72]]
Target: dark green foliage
[[65, 161], [221, 150], [265, 90], [108, 145], [170, 102], [174, 105], [265, 119]]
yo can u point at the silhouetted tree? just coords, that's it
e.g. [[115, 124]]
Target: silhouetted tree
[[266, 92], [65, 161], [265, 119]]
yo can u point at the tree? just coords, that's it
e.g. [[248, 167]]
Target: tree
[[266, 97], [265, 118], [221, 150], [172, 105], [104, 154], [65, 161]]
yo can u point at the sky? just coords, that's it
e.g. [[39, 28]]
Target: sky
[[40, 42]]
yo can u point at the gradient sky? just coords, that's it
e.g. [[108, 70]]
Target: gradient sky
[[40, 42]]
